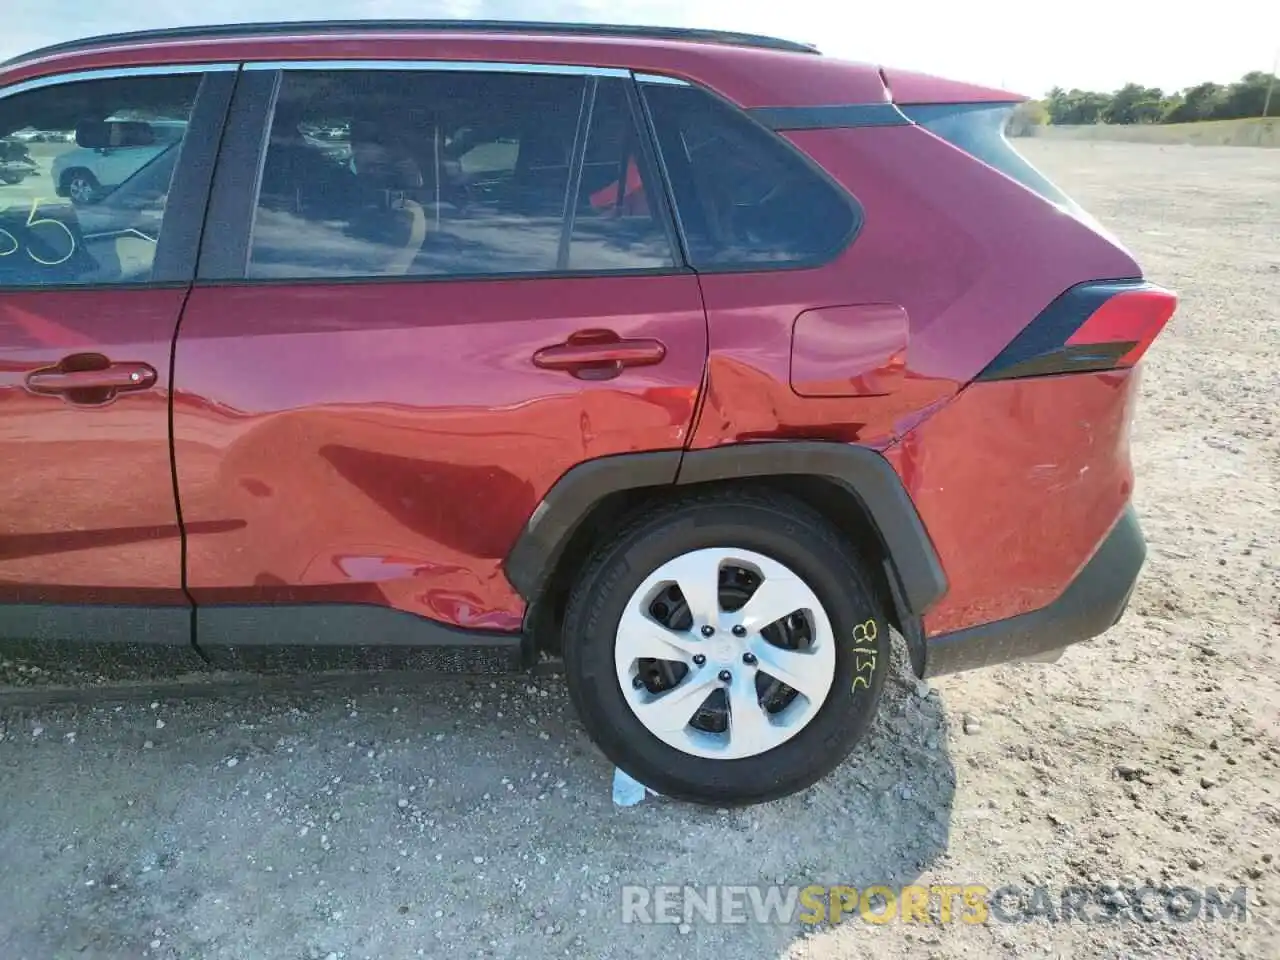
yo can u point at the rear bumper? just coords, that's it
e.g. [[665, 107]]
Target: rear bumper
[[1092, 603]]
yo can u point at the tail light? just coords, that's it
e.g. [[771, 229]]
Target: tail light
[[1102, 325]]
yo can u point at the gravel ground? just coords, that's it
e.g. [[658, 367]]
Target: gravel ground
[[473, 818]]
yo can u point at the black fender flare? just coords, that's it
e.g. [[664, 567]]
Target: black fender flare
[[917, 578]]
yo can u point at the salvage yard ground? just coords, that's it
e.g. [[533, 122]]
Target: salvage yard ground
[[474, 818]]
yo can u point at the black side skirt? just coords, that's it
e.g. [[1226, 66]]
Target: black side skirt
[[102, 640]]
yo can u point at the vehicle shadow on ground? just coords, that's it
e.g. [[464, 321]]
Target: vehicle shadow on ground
[[403, 816]]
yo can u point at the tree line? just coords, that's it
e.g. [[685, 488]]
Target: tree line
[[1134, 103]]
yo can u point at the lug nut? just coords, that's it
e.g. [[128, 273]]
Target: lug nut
[[699, 659], [708, 630], [739, 631], [749, 659], [726, 676]]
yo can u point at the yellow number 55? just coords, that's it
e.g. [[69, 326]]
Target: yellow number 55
[[9, 244]]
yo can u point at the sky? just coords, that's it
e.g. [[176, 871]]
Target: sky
[[1021, 45]]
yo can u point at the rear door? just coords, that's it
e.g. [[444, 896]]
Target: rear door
[[427, 291], [89, 304]]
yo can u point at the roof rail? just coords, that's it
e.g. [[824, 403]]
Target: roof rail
[[323, 27]]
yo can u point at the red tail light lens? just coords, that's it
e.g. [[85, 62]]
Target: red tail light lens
[[1133, 317]]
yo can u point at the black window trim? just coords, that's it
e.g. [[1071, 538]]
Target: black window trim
[[833, 116], [653, 172], [227, 244], [224, 250], [577, 158], [858, 214], [178, 244]]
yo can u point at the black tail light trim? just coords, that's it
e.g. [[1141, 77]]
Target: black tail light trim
[[1057, 340]]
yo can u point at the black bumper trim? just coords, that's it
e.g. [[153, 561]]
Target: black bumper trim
[[1090, 605]]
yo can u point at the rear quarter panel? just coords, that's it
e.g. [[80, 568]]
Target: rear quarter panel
[[1018, 482]]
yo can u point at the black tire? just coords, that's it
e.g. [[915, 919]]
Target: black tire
[[778, 527], [69, 189]]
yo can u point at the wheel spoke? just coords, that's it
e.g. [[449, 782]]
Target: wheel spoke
[[671, 711], [639, 638], [802, 671], [774, 598], [698, 577], [750, 730]]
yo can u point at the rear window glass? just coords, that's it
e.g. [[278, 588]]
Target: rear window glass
[[979, 130], [374, 173], [745, 198]]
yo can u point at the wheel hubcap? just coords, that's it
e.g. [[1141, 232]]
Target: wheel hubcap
[[732, 650]]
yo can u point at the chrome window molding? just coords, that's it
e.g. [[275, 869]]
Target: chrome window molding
[[110, 73], [659, 78]]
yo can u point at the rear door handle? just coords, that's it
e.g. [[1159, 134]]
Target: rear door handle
[[599, 354], [90, 378]]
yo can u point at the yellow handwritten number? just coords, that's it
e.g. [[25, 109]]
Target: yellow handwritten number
[[33, 221], [865, 665]]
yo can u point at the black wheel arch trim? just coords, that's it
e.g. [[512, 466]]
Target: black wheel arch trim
[[532, 559], [862, 471]]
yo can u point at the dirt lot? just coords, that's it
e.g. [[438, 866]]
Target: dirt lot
[[474, 819]]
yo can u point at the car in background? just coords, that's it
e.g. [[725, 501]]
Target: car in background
[[43, 136], [108, 153], [15, 162]]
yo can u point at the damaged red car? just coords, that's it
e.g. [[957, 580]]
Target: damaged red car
[[699, 362]]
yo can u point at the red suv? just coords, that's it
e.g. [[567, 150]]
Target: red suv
[[698, 360]]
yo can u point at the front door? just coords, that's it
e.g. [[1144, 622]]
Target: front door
[[453, 293], [89, 302]]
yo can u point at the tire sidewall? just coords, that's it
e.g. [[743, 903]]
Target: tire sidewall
[[840, 586]]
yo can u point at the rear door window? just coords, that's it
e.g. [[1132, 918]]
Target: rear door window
[[442, 173], [745, 199]]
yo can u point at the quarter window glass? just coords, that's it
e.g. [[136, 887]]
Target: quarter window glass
[[85, 170], [745, 198], [438, 173]]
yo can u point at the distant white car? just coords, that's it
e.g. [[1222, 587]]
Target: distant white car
[[88, 173]]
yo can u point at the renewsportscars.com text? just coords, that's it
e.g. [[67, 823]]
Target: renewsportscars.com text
[[935, 903]]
